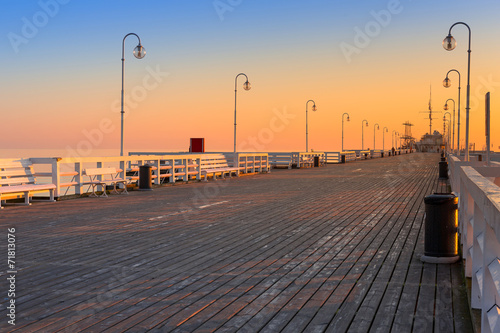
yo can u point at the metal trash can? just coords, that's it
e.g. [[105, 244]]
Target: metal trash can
[[316, 161], [342, 158], [145, 178], [382, 154], [443, 170], [441, 228]]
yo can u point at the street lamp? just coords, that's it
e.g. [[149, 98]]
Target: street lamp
[[314, 109], [363, 134], [384, 130], [246, 86], [447, 84], [444, 130], [378, 127], [449, 43], [345, 113], [446, 108], [139, 52]]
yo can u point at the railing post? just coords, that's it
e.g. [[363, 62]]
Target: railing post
[[78, 178], [56, 178], [198, 169]]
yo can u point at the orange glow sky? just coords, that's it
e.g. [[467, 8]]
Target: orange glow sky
[[63, 84]]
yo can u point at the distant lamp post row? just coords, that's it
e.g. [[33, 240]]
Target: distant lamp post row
[[307, 134], [362, 134], [444, 129], [345, 113], [139, 52], [394, 142], [246, 86], [449, 43], [384, 130], [453, 121], [447, 84]]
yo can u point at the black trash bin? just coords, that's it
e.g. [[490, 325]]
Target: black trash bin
[[382, 154], [441, 228], [145, 178], [316, 161], [443, 170], [342, 158]]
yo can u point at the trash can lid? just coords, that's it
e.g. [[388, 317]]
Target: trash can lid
[[439, 198]]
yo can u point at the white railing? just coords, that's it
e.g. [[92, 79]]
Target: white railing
[[478, 189], [297, 159], [362, 154], [250, 162], [336, 156], [67, 172]]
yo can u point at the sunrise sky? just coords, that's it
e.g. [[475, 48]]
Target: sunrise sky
[[61, 71]]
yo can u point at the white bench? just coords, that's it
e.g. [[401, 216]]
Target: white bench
[[17, 180], [218, 165], [95, 179]]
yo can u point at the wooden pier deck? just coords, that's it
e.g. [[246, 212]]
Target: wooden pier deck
[[333, 249]]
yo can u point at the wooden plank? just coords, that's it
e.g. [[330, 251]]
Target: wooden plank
[[296, 250]]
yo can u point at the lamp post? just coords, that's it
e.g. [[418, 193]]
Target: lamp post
[[363, 134], [392, 137], [314, 109], [378, 127], [396, 140], [246, 86], [446, 108], [384, 130], [447, 84], [345, 113], [139, 52], [444, 130], [449, 43]]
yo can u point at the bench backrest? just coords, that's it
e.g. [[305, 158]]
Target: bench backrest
[[91, 172], [17, 173], [215, 161]]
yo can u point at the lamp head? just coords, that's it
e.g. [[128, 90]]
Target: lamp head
[[447, 82], [386, 130], [446, 107], [449, 43], [139, 51], [366, 124], [348, 118], [247, 85], [314, 107]]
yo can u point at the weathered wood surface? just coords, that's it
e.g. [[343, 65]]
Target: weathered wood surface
[[331, 249]]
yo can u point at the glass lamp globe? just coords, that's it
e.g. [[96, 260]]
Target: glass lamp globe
[[446, 106], [247, 85], [348, 118], [139, 51], [449, 43], [366, 124], [447, 82], [314, 107]]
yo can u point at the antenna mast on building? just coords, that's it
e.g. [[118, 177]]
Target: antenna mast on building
[[430, 111]]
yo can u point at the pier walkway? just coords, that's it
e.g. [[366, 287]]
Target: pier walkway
[[333, 249]]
